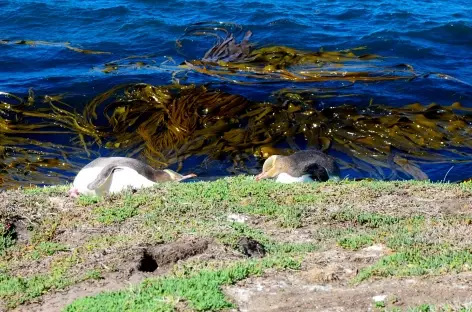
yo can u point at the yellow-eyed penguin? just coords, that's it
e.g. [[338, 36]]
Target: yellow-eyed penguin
[[302, 166], [114, 174]]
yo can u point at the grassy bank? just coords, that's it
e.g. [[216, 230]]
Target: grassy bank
[[50, 242]]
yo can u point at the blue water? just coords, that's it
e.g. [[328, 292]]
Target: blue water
[[432, 36]]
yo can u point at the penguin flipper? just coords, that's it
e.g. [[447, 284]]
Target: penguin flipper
[[103, 176], [317, 172]]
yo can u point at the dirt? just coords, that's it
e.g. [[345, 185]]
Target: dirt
[[141, 263], [56, 301], [20, 228], [323, 285]]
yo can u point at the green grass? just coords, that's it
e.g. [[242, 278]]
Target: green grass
[[6, 238], [367, 219], [58, 190], [15, 290], [415, 261], [85, 200], [202, 290], [45, 231], [128, 209], [18, 290], [346, 214], [435, 308], [238, 230], [47, 249], [355, 242], [395, 233], [412, 255]]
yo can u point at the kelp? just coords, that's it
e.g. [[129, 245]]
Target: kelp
[[139, 62], [243, 63], [27, 161], [45, 139], [167, 124]]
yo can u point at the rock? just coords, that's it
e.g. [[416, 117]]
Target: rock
[[379, 298], [237, 218], [251, 247]]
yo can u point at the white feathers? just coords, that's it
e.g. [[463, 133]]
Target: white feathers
[[286, 178], [119, 180]]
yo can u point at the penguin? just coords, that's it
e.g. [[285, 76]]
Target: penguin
[[114, 174], [302, 166]]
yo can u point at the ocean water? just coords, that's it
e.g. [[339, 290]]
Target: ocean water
[[432, 36]]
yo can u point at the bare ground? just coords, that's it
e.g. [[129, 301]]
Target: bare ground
[[323, 285]]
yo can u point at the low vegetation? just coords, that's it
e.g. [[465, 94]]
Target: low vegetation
[[49, 242]]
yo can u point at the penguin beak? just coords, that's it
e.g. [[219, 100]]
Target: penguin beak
[[260, 176], [271, 173], [188, 176]]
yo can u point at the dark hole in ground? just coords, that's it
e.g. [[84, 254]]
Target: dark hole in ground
[[147, 263]]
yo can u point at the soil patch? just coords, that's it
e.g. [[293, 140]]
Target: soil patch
[[146, 262], [323, 285]]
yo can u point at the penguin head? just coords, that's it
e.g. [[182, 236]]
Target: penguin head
[[174, 176], [273, 166]]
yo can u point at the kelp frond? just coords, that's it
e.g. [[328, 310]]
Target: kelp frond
[[244, 63], [167, 124], [176, 123]]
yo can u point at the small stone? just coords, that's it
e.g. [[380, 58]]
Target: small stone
[[378, 248], [379, 298], [237, 218]]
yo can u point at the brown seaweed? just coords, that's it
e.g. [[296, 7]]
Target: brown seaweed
[[236, 62], [167, 124], [245, 63]]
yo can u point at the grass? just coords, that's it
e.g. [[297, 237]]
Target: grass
[[413, 254], [355, 242], [7, 239], [434, 308], [47, 249], [18, 290], [373, 220], [127, 209], [417, 261], [202, 290], [71, 244]]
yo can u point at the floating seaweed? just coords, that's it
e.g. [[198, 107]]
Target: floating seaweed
[[26, 161], [243, 63], [167, 124], [240, 62]]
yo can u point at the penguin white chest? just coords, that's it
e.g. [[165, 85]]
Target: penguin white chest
[[119, 180], [84, 177], [286, 178], [126, 177]]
